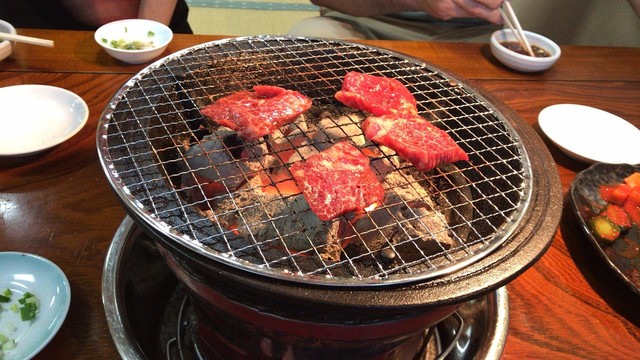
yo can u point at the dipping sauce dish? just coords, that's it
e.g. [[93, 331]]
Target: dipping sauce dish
[[521, 62]]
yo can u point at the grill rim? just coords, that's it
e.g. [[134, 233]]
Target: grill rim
[[163, 229]]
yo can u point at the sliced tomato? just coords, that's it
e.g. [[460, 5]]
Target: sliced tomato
[[634, 196], [632, 206], [633, 180], [617, 214], [615, 194]]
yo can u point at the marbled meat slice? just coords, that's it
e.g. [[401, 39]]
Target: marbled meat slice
[[253, 114], [377, 95], [337, 180], [415, 139]]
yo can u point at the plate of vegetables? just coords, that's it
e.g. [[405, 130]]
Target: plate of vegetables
[[34, 301], [606, 199]]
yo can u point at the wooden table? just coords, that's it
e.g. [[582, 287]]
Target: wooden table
[[58, 204]]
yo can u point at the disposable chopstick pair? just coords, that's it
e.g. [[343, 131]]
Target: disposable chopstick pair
[[26, 39], [512, 22]]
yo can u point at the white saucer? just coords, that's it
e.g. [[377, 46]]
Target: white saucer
[[591, 135], [34, 118], [20, 273]]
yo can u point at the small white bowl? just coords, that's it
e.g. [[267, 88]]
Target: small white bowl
[[6, 46], [155, 35], [521, 62]]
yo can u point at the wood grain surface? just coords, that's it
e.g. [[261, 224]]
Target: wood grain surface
[[58, 203]]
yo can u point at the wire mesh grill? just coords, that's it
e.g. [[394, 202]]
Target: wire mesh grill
[[232, 201]]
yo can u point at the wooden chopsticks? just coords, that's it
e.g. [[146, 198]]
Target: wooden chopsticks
[[510, 20], [26, 39]]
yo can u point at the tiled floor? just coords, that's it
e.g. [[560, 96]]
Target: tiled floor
[[249, 17]]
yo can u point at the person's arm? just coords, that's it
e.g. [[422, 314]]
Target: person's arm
[[158, 10], [443, 9]]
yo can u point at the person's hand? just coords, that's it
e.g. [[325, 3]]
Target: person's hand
[[443, 9], [448, 9]]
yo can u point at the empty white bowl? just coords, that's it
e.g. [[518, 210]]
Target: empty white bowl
[[134, 41], [6, 46], [519, 61]]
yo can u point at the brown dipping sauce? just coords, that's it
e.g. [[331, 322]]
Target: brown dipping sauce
[[515, 46]]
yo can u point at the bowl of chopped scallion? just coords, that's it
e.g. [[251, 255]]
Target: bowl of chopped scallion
[[134, 41], [34, 301]]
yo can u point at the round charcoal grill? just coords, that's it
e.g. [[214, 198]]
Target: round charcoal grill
[[265, 277], [455, 220]]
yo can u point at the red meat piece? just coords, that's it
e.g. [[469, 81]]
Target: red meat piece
[[253, 114], [415, 139], [376, 95], [337, 180]]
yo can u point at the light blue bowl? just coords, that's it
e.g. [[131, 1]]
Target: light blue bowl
[[21, 272], [6, 46]]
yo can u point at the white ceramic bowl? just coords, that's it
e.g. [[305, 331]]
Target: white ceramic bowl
[[521, 62], [131, 32], [6, 46]]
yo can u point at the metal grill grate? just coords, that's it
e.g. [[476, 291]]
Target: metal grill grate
[[156, 146]]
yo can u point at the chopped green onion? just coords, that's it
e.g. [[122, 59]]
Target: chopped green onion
[[10, 344], [4, 299], [28, 312], [29, 306], [150, 33], [130, 45], [25, 298], [7, 292]]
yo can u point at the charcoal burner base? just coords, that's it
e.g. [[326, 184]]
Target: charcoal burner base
[[150, 315], [179, 333]]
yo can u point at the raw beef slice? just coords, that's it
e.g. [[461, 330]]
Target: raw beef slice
[[376, 94], [253, 114], [415, 139], [337, 180]]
